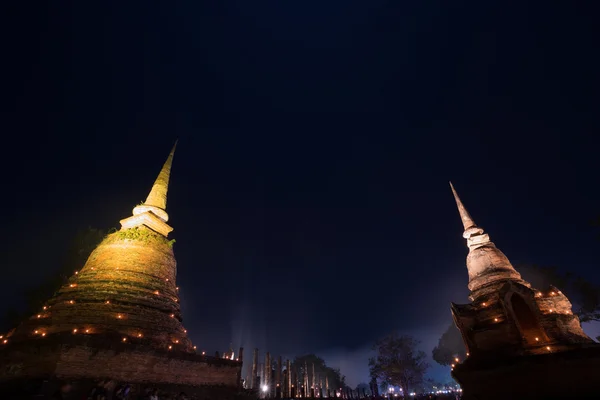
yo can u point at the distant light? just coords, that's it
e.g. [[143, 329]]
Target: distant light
[[124, 339], [75, 330], [265, 388]]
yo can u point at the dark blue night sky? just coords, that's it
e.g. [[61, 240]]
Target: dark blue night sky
[[309, 193]]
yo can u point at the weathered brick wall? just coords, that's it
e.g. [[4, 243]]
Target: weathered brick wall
[[119, 362], [137, 366]]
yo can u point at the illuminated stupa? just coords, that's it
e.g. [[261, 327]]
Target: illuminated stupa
[[118, 318], [127, 286], [513, 333]]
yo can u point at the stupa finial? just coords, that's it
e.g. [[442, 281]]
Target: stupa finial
[[158, 194], [464, 214], [152, 212]]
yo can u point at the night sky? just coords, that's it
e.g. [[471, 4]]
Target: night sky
[[309, 194]]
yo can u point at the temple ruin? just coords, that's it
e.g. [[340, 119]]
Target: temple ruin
[[118, 318], [521, 342]]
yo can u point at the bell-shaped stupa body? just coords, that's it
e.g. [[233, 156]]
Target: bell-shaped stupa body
[[127, 288]]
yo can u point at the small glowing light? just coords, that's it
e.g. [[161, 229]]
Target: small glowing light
[[265, 388], [87, 331], [177, 288], [39, 315], [237, 359], [72, 285], [75, 330], [107, 302], [1, 336], [93, 268], [36, 332], [203, 353], [45, 307], [172, 315], [467, 354], [167, 280], [538, 294], [119, 316], [484, 304], [550, 310], [194, 347], [456, 359], [124, 339], [170, 347], [44, 334], [139, 335], [5, 341], [452, 365], [76, 272], [185, 331], [537, 339], [496, 319], [71, 302], [176, 341], [552, 293], [548, 348], [156, 292]]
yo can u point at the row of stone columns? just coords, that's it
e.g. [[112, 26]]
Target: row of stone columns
[[274, 383]]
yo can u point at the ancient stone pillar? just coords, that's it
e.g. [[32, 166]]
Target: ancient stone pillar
[[278, 376], [254, 369], [267, 374], [289, 378]]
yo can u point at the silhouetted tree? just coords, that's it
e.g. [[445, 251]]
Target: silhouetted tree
[[398, 362], [449, 346]]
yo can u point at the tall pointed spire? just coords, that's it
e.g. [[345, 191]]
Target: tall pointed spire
[[464, 214], [152, 213], [158, 195]]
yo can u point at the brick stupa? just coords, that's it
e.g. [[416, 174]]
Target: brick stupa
[[518, 339], [119, 316]]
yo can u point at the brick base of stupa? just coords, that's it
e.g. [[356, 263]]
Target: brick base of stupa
[[569, 374], [39, 368]]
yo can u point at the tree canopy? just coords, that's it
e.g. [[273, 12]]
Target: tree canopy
[[398, 362], [449, 347]]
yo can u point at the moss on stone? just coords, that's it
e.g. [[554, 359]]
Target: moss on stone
[[139, 234]]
